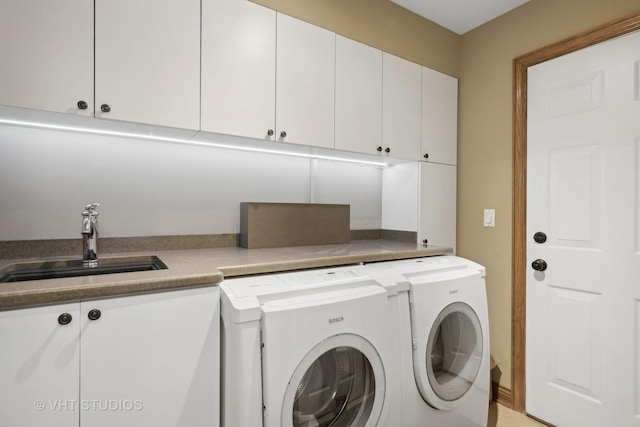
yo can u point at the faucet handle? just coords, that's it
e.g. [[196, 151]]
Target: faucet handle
[[92, 206], [90, 210]]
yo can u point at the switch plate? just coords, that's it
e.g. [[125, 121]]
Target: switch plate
[[489, 217]]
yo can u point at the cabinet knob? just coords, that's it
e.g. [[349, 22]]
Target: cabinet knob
[[105, 108], [64, 319], [379, 149], [426, 156], [82, 105], [283, 134], [270, 132], [94, 314], [425, 242], [387, 150]]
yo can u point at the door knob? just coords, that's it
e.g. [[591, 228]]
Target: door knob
[[82, 105], [283, 134], [105, 108], [540, 237], [387, 150], [270, 132], [539, 265], [379, 148]]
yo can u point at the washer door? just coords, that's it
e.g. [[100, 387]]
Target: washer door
[[453, 355], [339, 383]]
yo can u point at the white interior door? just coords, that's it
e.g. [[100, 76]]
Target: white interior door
[[583, 311]]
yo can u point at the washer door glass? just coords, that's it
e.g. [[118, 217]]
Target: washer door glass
[[454, 351], [337, 388]]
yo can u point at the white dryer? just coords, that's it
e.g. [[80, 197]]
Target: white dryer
[[444, 340], [310, 348]]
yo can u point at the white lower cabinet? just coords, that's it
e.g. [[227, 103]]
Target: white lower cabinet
[[437, 222], [148, 360], [421, 196], [39, 366]]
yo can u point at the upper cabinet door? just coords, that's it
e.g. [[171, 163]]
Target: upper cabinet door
[[238, 68], [401, 107], [358, 96], [47, 55], [439, 117], [305, 83], [147, 62]]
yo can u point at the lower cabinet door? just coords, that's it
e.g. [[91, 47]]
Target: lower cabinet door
[[438, 204], [151, 360], [39, 360]]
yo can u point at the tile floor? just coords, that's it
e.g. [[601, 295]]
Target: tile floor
[[501, 416]]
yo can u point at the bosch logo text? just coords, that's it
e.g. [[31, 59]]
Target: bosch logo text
[[336, 319]]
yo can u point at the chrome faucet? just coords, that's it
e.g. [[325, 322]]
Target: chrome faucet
[[90, 235]]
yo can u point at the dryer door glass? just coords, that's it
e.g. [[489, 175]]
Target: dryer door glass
[[454, 351], [337, 388]]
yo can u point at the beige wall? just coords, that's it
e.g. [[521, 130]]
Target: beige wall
[[484, 140], [381, 24], [482, 59]]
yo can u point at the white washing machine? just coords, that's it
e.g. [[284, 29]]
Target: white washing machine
[[444, 339], [310, 348]]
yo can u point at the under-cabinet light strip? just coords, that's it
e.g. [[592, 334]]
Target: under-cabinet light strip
[[185, 141]]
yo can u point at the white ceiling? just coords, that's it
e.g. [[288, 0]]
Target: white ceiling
[[460, 16]]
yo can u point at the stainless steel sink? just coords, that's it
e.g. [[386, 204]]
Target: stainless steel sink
[[75, 268]]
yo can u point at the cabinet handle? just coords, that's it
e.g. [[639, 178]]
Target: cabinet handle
[[379, 149], [426, 156], [82, 105], [94, 314], [283, 134], [270, 132], [387, 150], [64, 319], [105, 108]]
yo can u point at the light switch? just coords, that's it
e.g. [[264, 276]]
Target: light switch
[[489, 217]]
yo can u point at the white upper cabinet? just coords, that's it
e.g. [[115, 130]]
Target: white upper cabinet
[[305, 83], [238, 68], [358, 97], [46, 55], [401, 107], [147, 61], [439, 117]]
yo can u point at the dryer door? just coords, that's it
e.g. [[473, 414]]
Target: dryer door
[[335, 385], [453, 355]]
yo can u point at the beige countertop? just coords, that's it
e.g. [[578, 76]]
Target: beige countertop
[[198, 267]]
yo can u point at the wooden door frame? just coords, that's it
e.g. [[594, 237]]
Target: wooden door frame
[[519, 239]]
